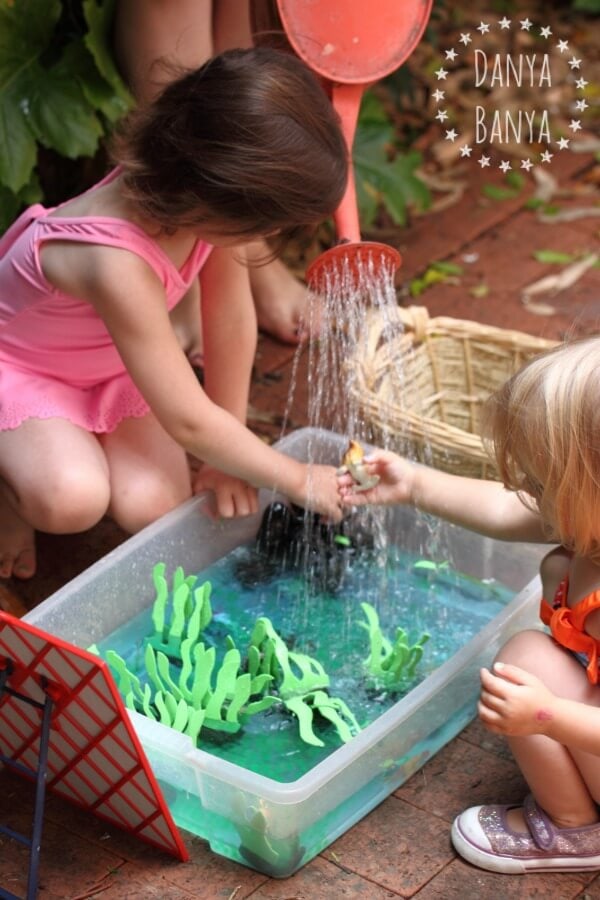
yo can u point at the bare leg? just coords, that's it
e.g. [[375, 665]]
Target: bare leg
[[281, 300], [149, 472], [54, 478], [564, 781], [155, 37]]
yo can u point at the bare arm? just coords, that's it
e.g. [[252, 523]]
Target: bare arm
[[482, 506], [130, 300], [229, 330]]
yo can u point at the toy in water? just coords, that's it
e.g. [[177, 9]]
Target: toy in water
[[301, 683], [183, 687], [390, 665], [353, 463], [291, 540], [275, 856]]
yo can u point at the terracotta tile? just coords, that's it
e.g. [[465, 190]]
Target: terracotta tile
[[442, 235], [460, 880], [134, 884], [68, 865], [396, 846], [208, 876], [321, 880], [591, 891], [462, 775]]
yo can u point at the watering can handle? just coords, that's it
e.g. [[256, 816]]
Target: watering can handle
[[346, 101]]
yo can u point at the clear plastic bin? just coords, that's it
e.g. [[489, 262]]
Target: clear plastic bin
[[272, 826]]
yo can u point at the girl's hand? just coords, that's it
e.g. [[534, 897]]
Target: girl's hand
[[396, 481], [320, 492], [514, 702], [233, 497]]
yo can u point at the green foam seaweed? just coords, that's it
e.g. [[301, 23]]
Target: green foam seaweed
[[186, 690], [390, 664], [180, 615]]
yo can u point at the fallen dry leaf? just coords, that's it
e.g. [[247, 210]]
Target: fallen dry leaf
[[554, 284]]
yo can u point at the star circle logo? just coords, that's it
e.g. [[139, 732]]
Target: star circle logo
[[494, 128]]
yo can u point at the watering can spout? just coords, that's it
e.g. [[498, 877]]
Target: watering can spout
[[346, 101], [351, 253], [350, 44]]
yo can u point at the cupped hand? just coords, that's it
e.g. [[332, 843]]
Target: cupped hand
[[233, 496], [515, 702]]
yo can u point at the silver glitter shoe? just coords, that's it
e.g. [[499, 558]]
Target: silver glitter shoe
[[483, 837]]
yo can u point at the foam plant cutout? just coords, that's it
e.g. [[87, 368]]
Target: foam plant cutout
[[301, 682], [332, 708], [185, 699], [182, 687], [389, 664], [178, 615], [294, 673]]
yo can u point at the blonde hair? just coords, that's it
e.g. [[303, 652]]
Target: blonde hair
[[544, 426]]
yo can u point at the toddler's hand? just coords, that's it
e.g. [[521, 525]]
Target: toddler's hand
[[233, 497], [514, 702], [396, 481]]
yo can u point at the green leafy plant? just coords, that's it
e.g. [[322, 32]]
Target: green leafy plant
[[59, 89], [385, 176]]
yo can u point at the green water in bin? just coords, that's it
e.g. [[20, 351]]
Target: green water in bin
[[448, 605]]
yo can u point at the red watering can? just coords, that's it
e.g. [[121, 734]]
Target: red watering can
[[351, 43]]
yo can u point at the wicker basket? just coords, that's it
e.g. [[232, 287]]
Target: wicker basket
[[420, 384]]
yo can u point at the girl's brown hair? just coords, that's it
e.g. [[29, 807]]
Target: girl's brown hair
[[247, 145], [544, 424]]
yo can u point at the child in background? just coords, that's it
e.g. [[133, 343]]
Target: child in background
[[542, 690], [98, 403]]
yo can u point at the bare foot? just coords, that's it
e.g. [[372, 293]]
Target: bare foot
[[17, 545], [281, 303]]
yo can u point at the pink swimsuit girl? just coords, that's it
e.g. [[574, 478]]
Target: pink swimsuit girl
[[56, 356]]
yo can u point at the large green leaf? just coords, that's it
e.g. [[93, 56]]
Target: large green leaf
[[11, 203], [383, 175], [99, 18], [26, 28], [97, 91], [58, 113], [18, 150]]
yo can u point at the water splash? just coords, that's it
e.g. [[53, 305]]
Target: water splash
[[352, 295]]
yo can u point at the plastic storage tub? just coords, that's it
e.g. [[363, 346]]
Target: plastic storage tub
[[272, 826]]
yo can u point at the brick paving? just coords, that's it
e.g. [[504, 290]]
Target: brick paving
[[402, 849]]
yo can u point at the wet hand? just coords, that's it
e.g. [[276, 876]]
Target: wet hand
[[233, 496], [395, 481], [514, 702], [320, 492]]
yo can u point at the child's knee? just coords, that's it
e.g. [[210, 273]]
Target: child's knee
[[146, 500], [75, 501], [524, 649]]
